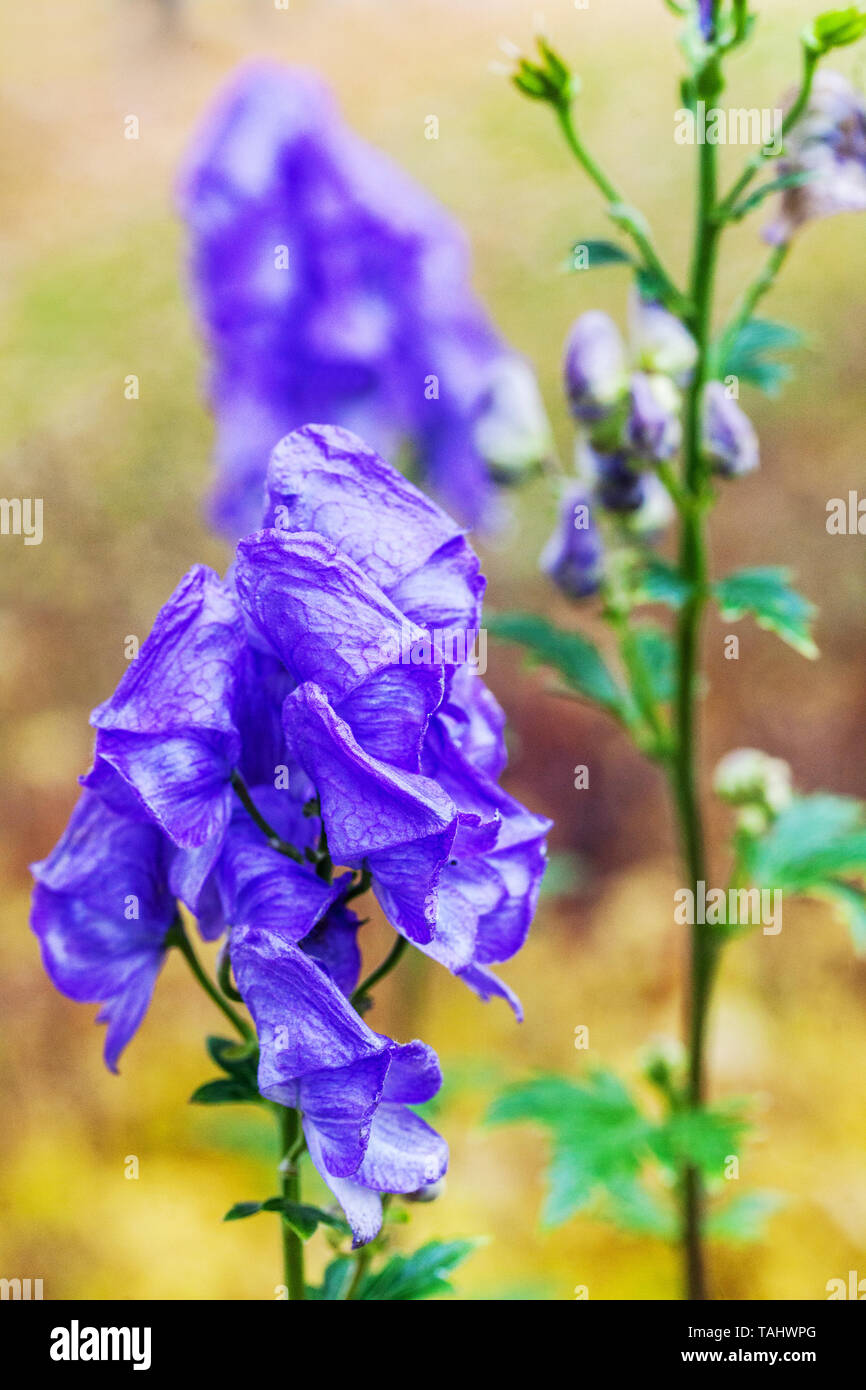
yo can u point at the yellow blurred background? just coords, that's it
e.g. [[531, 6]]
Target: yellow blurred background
[[93, 290]]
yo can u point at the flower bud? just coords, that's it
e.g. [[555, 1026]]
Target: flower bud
[[512, 432], [661, 342], [617, 485], [653, 427], [752, 779], [573, 555], [729, 437], [595, 366]]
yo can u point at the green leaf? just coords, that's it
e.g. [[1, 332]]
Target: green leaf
[[227, 1090], [658, 582], [766, 595], [241, 1210], [657, 655], [238, 1059], [338, 1277], [743, 1218], [812, 842], [747, 357], [632, 1207], [302, 1218], [703, 1138], [850, 900], [599, 1135], [423, 1274], [574, 657], [595, 254]]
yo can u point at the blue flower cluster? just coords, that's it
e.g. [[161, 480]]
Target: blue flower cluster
[[628, 406], [287, 737], [331, 287]]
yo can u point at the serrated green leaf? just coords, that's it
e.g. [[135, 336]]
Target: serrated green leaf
[[227, 1090], [703, 1138], [574, 657], [812, 842], [631, 1206], [658, 582], [743, 1218], [423, 1274], [599, 1135], [748, 356], [765, 594], [598, 253]]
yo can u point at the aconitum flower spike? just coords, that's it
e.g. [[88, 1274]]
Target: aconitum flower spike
[[653, 428], [729, 438], [827, 145], [573, 556], [331, 287], [594, 366]]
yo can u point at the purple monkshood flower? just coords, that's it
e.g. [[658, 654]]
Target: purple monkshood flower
[[331, 287], [729, 437], [595, 366], [706, 19], [574, 554], [828, 146], [295, 687], [653, 428]]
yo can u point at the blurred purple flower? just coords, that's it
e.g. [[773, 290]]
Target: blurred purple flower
[[729, 437], [594, 366], [573, 556], [653, 428], [332, 288], [828, 146]]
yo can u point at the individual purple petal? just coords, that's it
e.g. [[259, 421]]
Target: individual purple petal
[[729, 438], [334, 944], [653, 428], [101, 911], [488, 986], [574, 555], [660, 341], [169, 727], [402, 824], [595, 366], [331, 625], [327, 480], [476, 721]]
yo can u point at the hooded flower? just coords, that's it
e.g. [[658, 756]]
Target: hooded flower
[[573, 556], [101, 910], [729, 437], [287, 736], [351, 1085], [330, 287], [827, 146]]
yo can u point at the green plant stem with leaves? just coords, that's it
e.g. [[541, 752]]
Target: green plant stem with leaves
[[768, 845]]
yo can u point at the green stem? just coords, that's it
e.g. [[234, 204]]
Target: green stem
[[274, 840], [762, 283], [693, 565], [381, 971], [618, 210], [177, 937], [772, 151], [293, 1246]]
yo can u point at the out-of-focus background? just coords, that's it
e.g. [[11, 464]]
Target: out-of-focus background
[[93, 291]]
